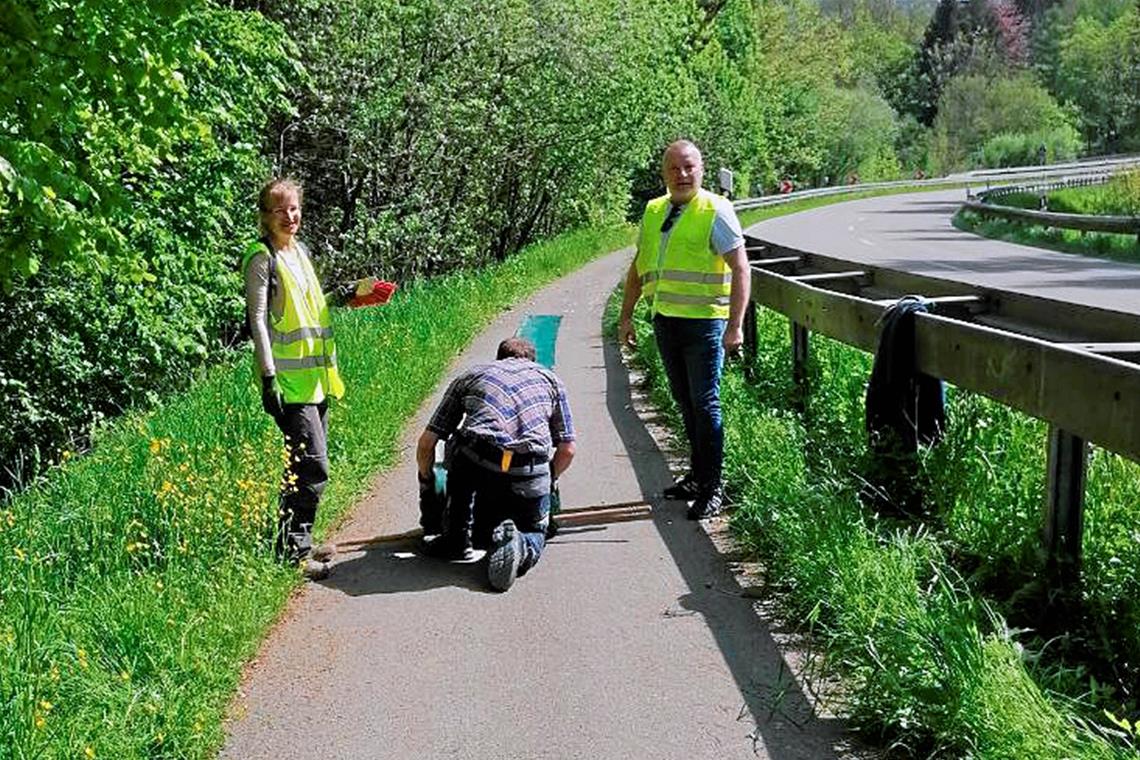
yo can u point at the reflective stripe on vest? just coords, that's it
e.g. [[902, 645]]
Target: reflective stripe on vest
[[686, 278], [301, 333], [301, 339], [307, 362], [683, 276]]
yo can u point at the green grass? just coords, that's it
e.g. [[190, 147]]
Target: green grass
[[1104, 245], [929, 664], [137, 579]]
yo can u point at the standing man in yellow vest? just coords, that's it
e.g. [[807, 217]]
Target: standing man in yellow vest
[[692, 270], [295, 358]]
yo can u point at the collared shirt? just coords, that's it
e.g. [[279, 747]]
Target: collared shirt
[[511, 403]]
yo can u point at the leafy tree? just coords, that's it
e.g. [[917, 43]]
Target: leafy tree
[[1099, 72], [975, 108], [973, 37], [430, 141], [129, 136], [863, 132]]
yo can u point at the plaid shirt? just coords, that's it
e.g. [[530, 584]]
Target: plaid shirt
[[512, 403]]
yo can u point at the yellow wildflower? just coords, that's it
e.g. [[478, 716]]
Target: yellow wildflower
[[155, 445], [89, 752], [46, 705], [40, 721], [20, 554]]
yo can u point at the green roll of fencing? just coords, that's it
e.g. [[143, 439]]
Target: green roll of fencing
[[542, 331]]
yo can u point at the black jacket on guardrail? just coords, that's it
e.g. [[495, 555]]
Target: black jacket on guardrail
[[901, 400], [905, 407]]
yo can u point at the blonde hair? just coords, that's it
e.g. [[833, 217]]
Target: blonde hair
[[275, 186]]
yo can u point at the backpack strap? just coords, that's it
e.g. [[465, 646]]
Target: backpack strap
[[272, 269]]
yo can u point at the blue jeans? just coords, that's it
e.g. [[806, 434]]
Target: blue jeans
[[693, 355], [478, 499]]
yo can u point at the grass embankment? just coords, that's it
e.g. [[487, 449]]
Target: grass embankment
[[900, 609], [136, 580], [1120, 197], [913, 615]]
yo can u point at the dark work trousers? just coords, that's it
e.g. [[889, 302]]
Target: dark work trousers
[[693, 354], [306, 430], [480, 496]]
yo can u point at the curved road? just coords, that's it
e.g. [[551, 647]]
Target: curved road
[[913, 233]]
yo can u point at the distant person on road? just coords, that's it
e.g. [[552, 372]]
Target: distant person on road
[[692, 270], [513, 435], [295, 358]]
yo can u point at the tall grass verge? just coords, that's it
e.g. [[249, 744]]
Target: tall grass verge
[[913, 615], [1103, 245], [136, 580]]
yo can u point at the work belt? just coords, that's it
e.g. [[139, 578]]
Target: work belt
[[492, 457]]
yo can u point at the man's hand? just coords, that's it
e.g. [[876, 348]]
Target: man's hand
[[627, 336], [733, 338], [271, 400]]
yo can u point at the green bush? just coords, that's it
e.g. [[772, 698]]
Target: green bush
[[128, 155], [976, 108], [1024, 149]]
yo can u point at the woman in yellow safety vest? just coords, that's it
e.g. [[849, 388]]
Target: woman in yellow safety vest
[[295, 357]]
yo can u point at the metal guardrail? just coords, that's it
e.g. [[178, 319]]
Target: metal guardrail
[[1121, 225], [1062, 363], [988, 177], [1042, 188], [984, 203]]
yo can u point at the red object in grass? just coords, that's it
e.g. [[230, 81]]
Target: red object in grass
[[380, 292]]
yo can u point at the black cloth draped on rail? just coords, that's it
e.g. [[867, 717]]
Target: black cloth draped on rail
[[905, 408]]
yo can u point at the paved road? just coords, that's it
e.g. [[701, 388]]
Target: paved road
[[626, 641], [913, 233]]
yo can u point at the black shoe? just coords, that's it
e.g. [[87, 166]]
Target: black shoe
[[684, 489], [446, 548], [505, 556], [708, 504]]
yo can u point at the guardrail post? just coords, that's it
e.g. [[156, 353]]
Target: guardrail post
[[800, 343], [751, 340], [1064, 507]]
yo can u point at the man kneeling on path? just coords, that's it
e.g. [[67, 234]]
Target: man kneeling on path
[[499, 467]]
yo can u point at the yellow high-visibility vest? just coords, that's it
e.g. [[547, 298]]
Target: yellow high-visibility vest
[[304, 351], [688, 278]]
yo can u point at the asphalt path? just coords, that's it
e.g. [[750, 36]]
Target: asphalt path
[[629, 641], [913, 233]]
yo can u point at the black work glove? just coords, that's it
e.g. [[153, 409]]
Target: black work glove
[[271, 397], [555, 508], [431, 507]]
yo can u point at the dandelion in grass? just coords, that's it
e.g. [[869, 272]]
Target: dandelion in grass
[[89, 751]]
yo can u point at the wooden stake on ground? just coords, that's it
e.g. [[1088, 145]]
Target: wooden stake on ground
[[601, 514]]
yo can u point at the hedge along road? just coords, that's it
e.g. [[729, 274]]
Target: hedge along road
[[627, 640], [913, 233]]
